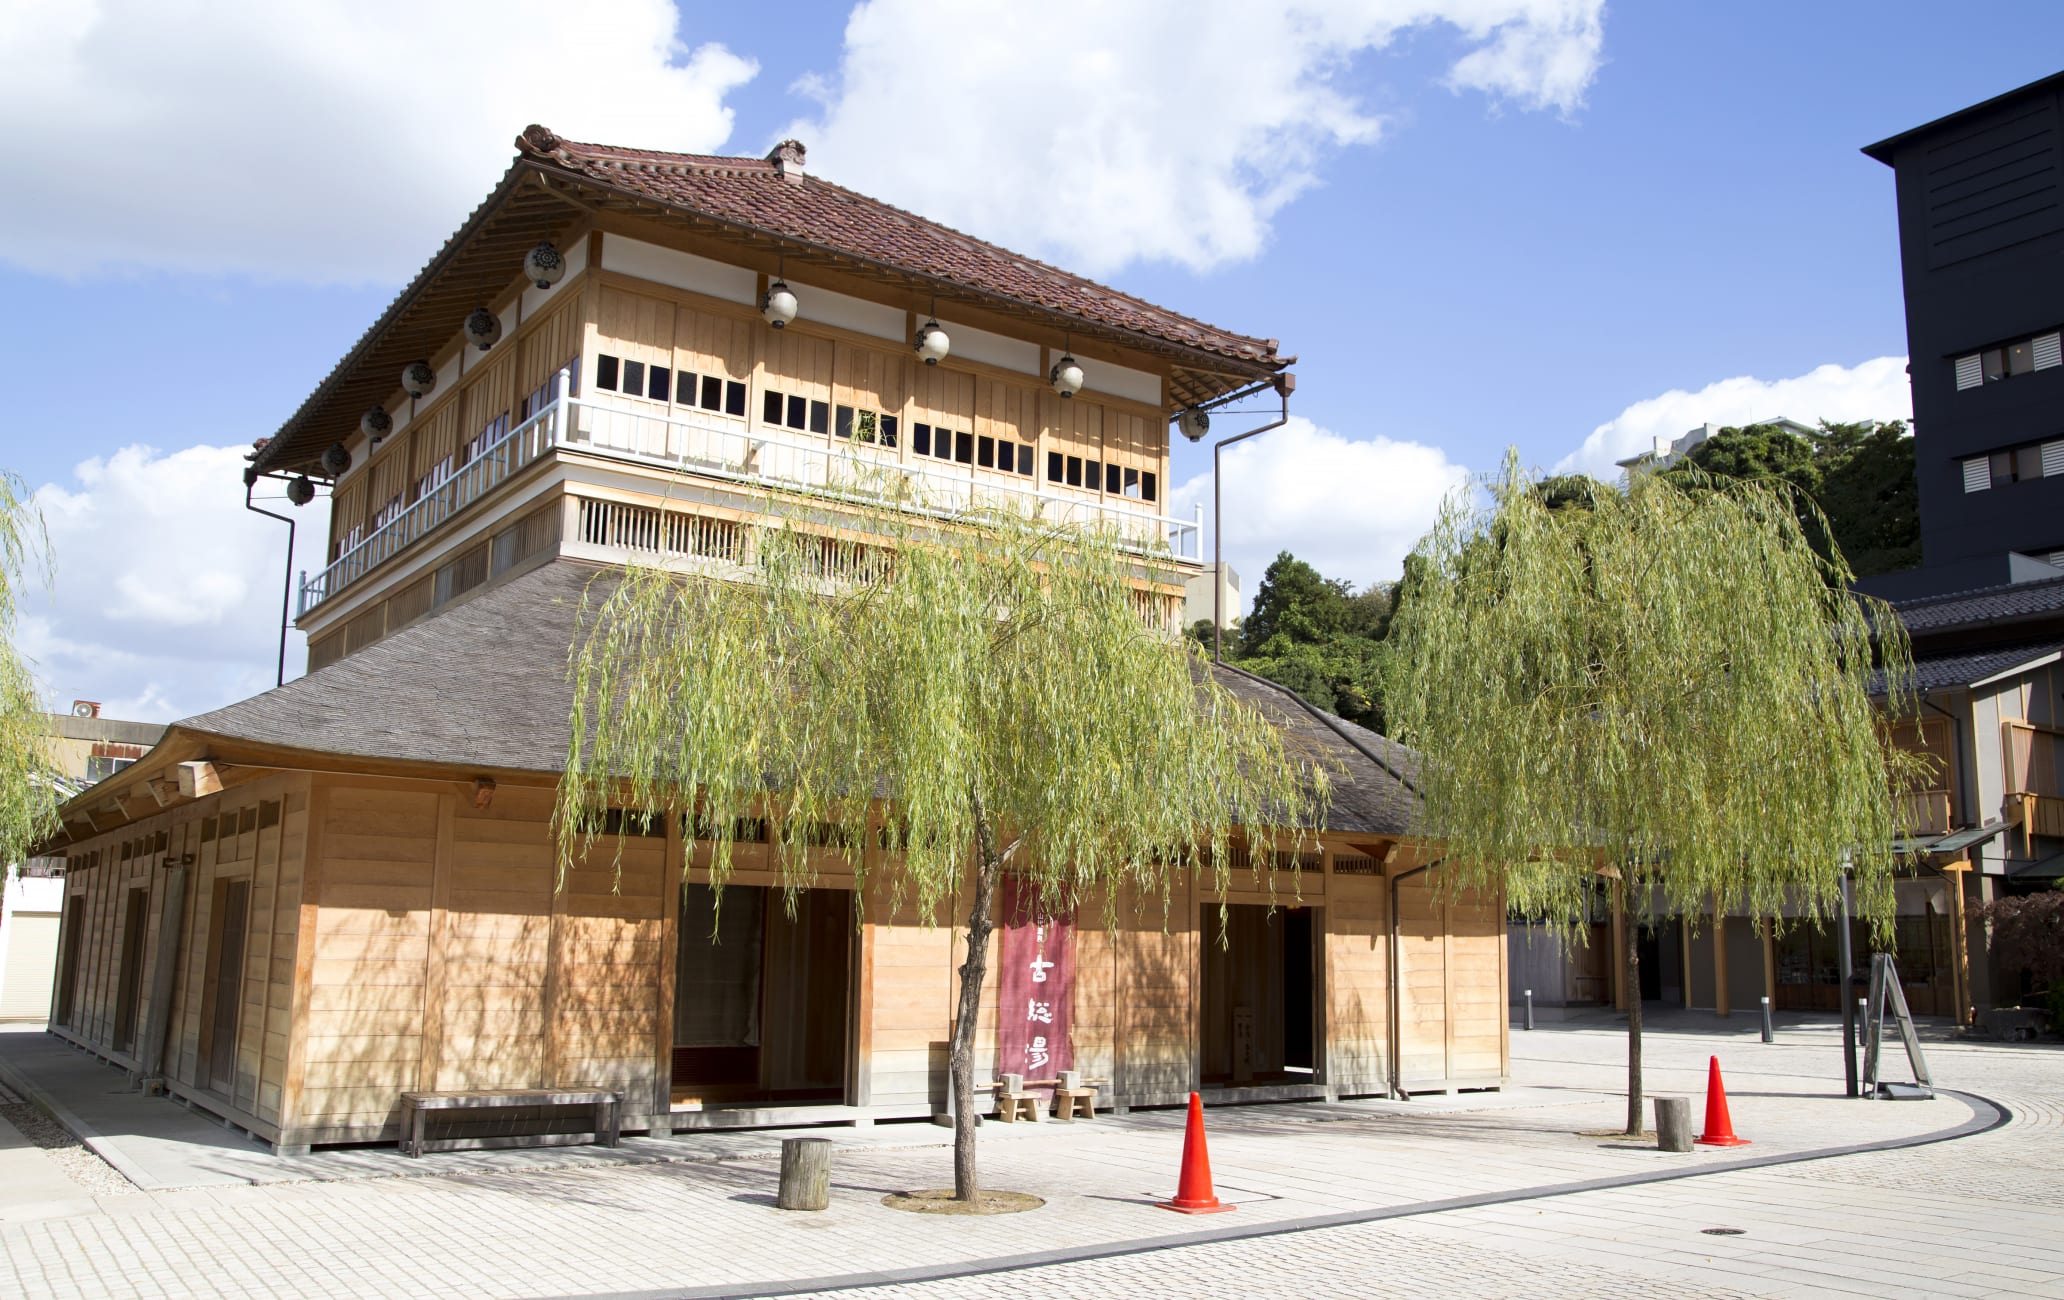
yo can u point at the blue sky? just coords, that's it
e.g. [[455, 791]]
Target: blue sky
[[1492, 268]]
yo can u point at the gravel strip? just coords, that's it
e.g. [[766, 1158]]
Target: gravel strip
[[79, 1162]]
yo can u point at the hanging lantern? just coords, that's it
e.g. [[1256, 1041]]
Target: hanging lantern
[[418, 378], [336, 460], [376, 423], [779, 304], [1195, 425], [544, 266], [932, 343], [299, 490], [1066, 376], [482, 328]]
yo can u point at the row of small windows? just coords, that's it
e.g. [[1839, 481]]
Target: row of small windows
[[660, 384], [2014, 465], [809, 415], [1118, 480], [2042, 352]]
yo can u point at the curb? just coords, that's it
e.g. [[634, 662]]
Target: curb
[[1986, 1115], [94, 1140]]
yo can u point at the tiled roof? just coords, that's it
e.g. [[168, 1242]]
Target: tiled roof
[[1946, 672], [753, 193], [483, 685], [1984, 607]]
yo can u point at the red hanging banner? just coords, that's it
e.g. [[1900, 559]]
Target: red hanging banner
[[1035, 985]]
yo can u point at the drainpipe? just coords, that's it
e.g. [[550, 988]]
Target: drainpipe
[[1285, 385], [287, 593], [1397, 1037]]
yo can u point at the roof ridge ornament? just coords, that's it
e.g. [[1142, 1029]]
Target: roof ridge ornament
[[789, 158], [538, 139]]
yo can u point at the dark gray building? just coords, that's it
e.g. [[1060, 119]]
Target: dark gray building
[[1981, 242]]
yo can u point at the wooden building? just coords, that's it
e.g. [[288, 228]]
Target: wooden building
[[297, 907]]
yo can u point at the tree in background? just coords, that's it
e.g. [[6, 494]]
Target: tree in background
[[1858, 479], [2028, 939], [27, 793], [1669, 681], [1317, 636], [972, 699]]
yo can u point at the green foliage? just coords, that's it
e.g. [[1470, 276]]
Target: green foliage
[[1671, 680], [1855, 481], [27, 797], [1002, 674], [1317, 636], [2028, 936]]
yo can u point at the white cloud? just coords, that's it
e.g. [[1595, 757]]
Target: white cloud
[[1168, 129], [1874, 390], [322, 140], [166, 596], [1352, 508]]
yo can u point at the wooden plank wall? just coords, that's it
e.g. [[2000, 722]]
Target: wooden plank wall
[[1156, 979], [1357, 984], [910, 1006], [253, 832], [1452, 968], [606, 964]]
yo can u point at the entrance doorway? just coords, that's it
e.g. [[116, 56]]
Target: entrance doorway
[[224, 990], [1651, 955], [762, 998], [129, 982], [1258, 997]]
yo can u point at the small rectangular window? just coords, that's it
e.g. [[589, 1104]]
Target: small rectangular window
[[1054, 472], [605, 372], [842, 427], [798, 413], [985, 452], [2049, 350], [770, 409], [888, 430], [660, 386], [1025, 459], [1074, 471], [1995, 360], [734, 398], [1092, 475], [1977, 474], [1112, 479], [2002, 468], [1147, 485], [2028, 463], [2020, 358], [964, 448], [633, 378], [921, 439], [820, 417], [1132, 483], [712, 393], [942, 443], [1970, 372]]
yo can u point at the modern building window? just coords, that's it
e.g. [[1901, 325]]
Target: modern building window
[[2030, 460], [2009, 360]]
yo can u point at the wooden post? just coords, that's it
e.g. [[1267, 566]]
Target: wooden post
[[1768, 925], [1960, 967], [805, 1174], [1684, 957], [1673, 1123], [1720, 1007]]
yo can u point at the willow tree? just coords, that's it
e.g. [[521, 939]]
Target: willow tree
[[941, 701], [1665, 680], [27, 791]]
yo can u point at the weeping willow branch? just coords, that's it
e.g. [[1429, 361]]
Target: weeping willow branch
[[27, 791]]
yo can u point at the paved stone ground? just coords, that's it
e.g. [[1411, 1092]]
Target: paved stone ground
[[1975, 1216]]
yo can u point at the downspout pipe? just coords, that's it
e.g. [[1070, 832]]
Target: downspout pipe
[[1285, 385], [1397, 1036], [287, 590]]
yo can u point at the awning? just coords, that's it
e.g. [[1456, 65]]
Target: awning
[[1954, 842]]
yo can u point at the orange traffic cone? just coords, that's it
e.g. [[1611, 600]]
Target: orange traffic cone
[[1193, 1194], [1719, 1126]]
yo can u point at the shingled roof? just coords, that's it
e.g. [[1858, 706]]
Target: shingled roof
[[482, 685], [762, 209]]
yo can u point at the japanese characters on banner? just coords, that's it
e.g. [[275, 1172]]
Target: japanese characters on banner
[[1035, 985]]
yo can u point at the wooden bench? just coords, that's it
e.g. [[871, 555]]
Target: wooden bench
[[1071, 1097], [416, 1107]]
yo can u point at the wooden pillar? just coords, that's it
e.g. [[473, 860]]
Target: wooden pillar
[[1684, 959], [1720, 1006], [1959, 940]]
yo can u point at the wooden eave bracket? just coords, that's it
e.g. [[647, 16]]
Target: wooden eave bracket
[[198, 777], [164, 789]]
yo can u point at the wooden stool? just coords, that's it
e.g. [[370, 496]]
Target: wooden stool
[[1013, 1102], [1068, 1102]]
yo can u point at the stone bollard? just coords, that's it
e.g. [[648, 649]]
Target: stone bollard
[[1071, 1080], [805, 1174], [1529, 1023], [1673, 1123], [1769, 1034]]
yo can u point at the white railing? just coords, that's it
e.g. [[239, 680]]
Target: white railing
[[727, 448]]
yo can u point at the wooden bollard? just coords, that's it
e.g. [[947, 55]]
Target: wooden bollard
[[806, 1173], [1673, 1123]]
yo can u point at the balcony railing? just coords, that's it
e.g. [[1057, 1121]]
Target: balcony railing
[[1926, 811], [728, 449]]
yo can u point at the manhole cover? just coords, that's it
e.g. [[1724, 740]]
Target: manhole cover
[[1723, 1232]]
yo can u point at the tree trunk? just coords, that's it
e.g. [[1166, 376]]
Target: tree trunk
[[989, 864], [1633, 933]]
